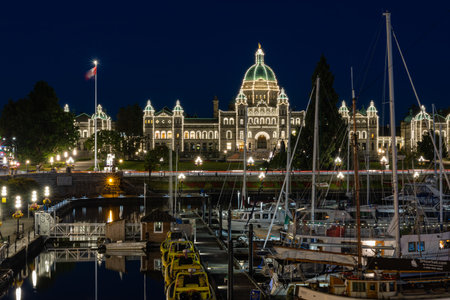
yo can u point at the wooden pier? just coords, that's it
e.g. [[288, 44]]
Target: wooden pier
[[214, 257]]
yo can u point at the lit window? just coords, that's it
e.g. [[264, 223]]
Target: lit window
[[186, 135], [241, 121], [169, 134], [282, 121], [412, 247], [241, 135], [157, 227], [228, 146]]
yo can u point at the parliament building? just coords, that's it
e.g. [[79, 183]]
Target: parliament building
[[262, 118]]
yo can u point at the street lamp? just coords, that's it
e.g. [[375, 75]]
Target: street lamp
[[181, 178], [18, 214], [46, 199], [74, 152], [340, 175], [250, 162], [198, 161], [416, 175], [51, 161], [421, 161], [338, 161], [261, 176], [33, 206], [58, 157], [27, 162]]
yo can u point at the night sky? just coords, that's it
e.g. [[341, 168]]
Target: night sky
[[195, 50]]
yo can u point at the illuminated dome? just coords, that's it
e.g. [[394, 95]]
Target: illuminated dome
[[101, 114], [260, 83], [423, 115], [259, 71]]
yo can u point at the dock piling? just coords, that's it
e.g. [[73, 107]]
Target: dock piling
[[230, 260], [250, 250]]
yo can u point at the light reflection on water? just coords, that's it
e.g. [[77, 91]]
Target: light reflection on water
[[71, 274]]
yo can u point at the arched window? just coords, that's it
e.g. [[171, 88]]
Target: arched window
[[163, 134], [157, 135], [198, 135], [241, 121], [250, 120], [216, 134], [274, 134], [256, 121], [282, 134], [274, 121], [186, 134], [231, 121], [292, 121], [210, 135], [204, 135], [229, 135], [261, 121], [192, 134], [169, 134], [267, 120], [85, 133], [249, 134], [225, 121], [282, 121], [297, 121], [241, 135], [364, 135]]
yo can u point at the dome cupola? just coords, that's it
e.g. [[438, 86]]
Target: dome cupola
[[422, 115], [100, 114], [259, 71], [343, 110], [178, 110], [241, 98], [149, 110], [282, 97]]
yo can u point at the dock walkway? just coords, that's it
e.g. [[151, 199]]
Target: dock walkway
[[214, 257]]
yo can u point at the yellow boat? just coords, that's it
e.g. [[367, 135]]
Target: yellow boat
[[176, 248], [189, 285], [181, 263], [171, 236]]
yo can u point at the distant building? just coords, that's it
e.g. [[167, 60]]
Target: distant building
[[86, 124]]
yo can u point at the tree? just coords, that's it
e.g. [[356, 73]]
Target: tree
[[330, 123], [426, 149], [153, 158], [129, 120], [108, 141], [39, 124]]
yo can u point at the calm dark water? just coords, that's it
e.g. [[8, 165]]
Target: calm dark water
[[76, 280]]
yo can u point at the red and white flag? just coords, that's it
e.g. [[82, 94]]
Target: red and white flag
[[91, 73]]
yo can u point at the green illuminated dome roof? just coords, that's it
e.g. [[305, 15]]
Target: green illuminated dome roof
[[149, 107], [422, 115], [100, 114], [259, 71], [343, 108]]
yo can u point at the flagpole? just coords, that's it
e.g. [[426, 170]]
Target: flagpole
[[95, 119]]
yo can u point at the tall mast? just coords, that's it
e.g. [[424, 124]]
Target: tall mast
[[95, 119], [288, 157], [316, 142], [393, 140], [356, 180], [244, 183]]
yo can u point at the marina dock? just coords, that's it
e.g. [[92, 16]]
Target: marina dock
[[214, 257]]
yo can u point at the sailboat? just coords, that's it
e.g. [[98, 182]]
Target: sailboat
[[380, 279]]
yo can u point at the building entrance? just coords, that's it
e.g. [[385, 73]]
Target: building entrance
[[262, 142]]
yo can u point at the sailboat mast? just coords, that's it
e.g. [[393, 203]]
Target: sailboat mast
[[393, 139], [244, 181], [316, 142], [356, 179]]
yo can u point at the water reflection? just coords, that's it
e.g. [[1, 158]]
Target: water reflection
[[86, 274]]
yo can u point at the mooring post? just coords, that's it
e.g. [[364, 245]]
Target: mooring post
[[209, 212], [250, 250], [203, 209], [220, 222], [230, 260]]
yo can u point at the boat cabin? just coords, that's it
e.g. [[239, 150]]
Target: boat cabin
[[363, 288], [155, 226]]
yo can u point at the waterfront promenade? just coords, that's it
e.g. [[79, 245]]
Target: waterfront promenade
[[10, 243]]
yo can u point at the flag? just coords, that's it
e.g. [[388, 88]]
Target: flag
[[91, 73]]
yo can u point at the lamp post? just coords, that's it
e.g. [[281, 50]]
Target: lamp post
[[198, 162], [33, 206], [338, 162], [250, 162], [27, 162], [46, 199], [18, 214]]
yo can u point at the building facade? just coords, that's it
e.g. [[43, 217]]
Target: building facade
[[261, 118]]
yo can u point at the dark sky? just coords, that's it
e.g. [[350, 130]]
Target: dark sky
[[194, 50]]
